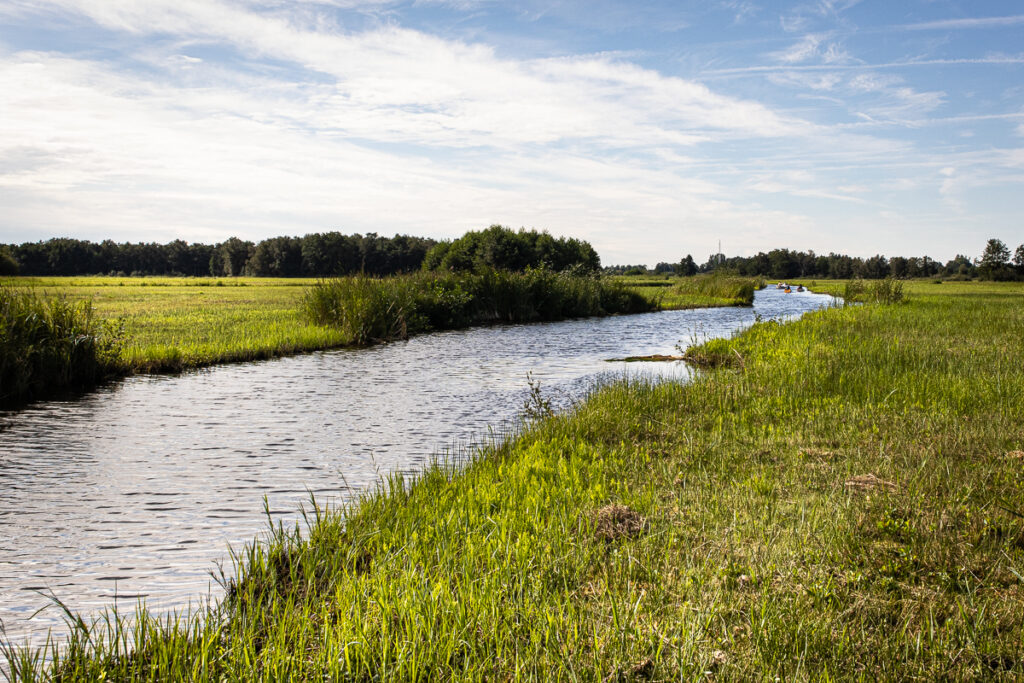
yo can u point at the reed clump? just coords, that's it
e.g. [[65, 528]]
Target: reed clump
[[48, 342], [888, 290], [715, 289], [367, 309]]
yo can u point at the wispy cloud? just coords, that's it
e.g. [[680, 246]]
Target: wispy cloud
[[965, 23], [967, 61]]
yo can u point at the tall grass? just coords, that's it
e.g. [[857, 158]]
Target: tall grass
[[844, 505], [729, 290], [47, 343], [367, 309], [888, 290]]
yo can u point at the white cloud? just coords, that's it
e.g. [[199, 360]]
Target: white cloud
[[801, 51]]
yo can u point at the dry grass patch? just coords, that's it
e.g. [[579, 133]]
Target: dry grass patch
[[616, 521]]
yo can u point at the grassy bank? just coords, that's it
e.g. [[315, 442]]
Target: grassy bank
[[368, 310], [698, 291], [845, 502]]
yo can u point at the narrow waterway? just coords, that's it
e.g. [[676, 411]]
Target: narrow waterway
[[137, 490]]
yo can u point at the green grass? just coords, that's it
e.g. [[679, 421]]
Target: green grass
[[842, 503], [172, 324], [698, 291]]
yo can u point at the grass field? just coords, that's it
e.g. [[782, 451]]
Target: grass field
[[845, 502], [176, 323]]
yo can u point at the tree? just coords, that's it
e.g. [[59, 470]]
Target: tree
[[1018, 259], [232, 256], [995, 261], [687, 266], [8, 266]]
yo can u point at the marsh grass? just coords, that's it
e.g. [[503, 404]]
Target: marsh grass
[[50, 343], [712, 290], [844, 505], [885, 291], [367, 310]]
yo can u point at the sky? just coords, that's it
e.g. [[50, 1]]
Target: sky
[[651, 129]]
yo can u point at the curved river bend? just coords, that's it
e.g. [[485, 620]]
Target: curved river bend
[[136, 490]]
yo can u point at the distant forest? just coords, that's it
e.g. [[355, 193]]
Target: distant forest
[[332, 253], [995, 263], [316, 255]]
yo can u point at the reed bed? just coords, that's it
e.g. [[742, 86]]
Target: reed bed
[[845, 503], [49, 343], [702, 291], [368, 310]]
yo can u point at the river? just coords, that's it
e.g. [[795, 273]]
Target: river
[[136, 490]]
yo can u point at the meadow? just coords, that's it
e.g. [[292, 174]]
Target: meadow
[[845, 501], [172, 324]]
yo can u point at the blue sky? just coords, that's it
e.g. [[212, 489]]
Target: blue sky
[[651, 129]]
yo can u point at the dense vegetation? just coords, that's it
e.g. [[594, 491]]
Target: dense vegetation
[[844, 501], [50, 343], [317, 254], [500, 248], [783, 264], [368, 310]]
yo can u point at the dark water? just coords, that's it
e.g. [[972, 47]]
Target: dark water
[[135, 491]]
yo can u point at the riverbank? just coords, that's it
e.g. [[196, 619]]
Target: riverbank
[[845, 503]]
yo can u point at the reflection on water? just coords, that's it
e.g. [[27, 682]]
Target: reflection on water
[[135, 491]]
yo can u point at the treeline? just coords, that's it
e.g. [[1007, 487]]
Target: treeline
[[314, 255], [995, 263]]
